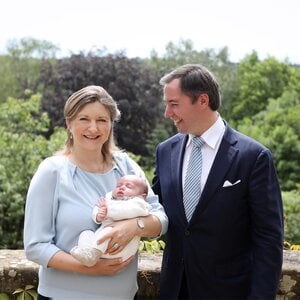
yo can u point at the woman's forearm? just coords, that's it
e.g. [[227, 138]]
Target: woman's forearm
[[152, 227], [65, 262]]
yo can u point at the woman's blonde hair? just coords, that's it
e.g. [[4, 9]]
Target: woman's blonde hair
[[77, 102]]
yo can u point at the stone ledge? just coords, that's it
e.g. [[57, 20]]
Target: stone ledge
[[16, 272]]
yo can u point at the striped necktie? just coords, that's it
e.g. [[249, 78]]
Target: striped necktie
[[192, 182]]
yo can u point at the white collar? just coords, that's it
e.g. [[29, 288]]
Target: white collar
[[212, 135]]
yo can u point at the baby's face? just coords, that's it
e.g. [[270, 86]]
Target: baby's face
[[127, 187]]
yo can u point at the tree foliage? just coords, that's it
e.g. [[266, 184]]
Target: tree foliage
[[291, 204], [278, 127], [260, 98], [258, 81], [184, 52], [8, 81], [20, 68], [129, 81], [22, 147]]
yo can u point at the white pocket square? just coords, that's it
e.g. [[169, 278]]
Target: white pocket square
[[228, 183]]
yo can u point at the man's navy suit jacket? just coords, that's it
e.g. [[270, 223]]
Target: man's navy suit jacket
[[232, 247]]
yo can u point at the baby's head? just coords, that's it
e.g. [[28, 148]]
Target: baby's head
[[129, 186]]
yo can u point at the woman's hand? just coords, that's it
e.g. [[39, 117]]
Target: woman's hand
[[120, 235], [64, 261], [109, 266]]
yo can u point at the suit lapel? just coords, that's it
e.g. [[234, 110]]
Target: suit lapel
[[177, 153]]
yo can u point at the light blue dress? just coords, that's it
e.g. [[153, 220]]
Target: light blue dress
[[59, 207]]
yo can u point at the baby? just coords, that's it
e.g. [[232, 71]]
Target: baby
[[125, 202]]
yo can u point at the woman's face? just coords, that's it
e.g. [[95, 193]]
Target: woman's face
[[91, 127]]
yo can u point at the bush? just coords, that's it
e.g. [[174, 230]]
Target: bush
[[291, 204], [22, 148]]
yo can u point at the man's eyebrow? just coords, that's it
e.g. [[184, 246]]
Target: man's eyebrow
[[170, 100]]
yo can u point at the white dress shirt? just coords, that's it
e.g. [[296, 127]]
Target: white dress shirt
[[212, 138]]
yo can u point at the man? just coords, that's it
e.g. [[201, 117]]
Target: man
[[229, 243]]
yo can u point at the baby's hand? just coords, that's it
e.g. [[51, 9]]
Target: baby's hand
[[101, 202], [102, 210]]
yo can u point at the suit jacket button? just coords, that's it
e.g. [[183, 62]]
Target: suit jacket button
[[187, 233]]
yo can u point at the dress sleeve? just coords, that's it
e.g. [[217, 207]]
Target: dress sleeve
[[40, 213]]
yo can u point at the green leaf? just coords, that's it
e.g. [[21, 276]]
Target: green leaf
[[18, 291], [141, 246], [148, 247], [162, 244], [4, 296], [33, 294], [21, 296], [27, 296], [155, 246]]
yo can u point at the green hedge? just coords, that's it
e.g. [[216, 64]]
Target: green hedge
[[291, 204]]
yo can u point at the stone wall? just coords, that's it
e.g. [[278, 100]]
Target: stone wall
[[17, 272]]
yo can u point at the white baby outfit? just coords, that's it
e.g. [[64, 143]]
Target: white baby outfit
[[88, 251]]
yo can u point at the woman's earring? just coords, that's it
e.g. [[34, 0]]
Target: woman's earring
[[70, 134]]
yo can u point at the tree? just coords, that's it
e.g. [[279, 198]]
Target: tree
[[184, 53], [22, 147], [278, 127], [129, 81], [291, 207], [8, 81], [162, 131], [20, 67], [258, 81]]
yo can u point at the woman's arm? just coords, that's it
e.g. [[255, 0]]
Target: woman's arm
[[40, 212], [124, 231], [40, 231], [65, 262]]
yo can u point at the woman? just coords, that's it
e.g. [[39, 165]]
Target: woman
[[62, 194]]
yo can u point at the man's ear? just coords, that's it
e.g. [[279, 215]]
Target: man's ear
[[204, 99]]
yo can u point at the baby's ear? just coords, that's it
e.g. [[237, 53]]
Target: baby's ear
[[144, 195]]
